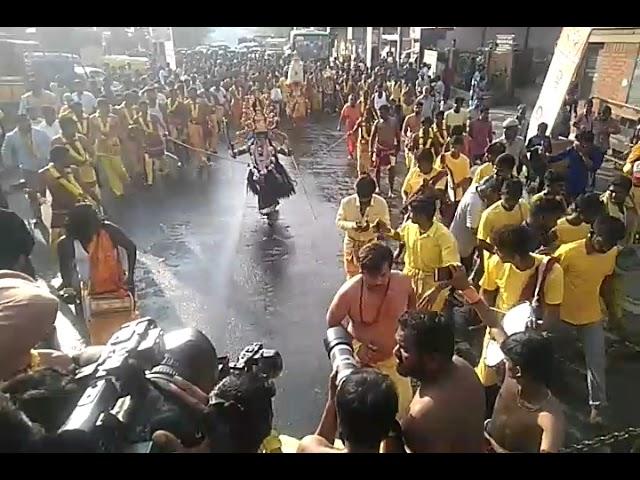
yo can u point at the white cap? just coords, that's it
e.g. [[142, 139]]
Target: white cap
[[510, 122]]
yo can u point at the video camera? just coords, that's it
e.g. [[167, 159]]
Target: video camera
[[123, 399]]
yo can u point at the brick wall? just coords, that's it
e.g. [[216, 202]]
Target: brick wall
[[614, 70]]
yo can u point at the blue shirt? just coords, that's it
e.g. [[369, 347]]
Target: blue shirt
[[16, 152], [577, 172]]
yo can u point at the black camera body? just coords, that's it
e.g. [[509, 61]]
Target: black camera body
[[253, 358], [124, 402], [106, 407]]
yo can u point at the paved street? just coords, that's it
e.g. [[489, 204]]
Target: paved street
[[209, 260]]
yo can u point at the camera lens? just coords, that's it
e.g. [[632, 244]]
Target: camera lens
[[190, 355], [270, 364], [338, 344]]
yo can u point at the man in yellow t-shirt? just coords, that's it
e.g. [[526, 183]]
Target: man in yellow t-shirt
[[490, 165], [510, 210], [577, 225], [456, 116], [429, 245], [588, 266], [508, 280], [458, 166], [424, 176]]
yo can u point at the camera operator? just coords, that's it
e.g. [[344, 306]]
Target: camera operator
[[16, 243], [17, 433], [239, 415], [363, 408], [369, 305], [27, 317], [46, 396], [20, 434]]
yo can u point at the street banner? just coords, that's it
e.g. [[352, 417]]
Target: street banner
[[565, 61], [430, 57]]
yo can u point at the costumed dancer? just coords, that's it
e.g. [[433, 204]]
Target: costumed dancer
[[267, 178]]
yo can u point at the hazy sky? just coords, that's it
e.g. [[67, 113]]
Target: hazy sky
[[230, 35]]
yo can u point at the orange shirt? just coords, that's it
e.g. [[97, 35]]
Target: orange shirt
[[350, 115], [106, 272]]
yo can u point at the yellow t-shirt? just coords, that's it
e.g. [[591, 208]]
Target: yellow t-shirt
[[583, 275], [496, 216], [483, 172], [415, 178], [568, 233], [509, 281], [539, 196], [451, 118], [460, 168], [428, 251]]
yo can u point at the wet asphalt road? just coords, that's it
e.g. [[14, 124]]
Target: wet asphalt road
[[207, 259]]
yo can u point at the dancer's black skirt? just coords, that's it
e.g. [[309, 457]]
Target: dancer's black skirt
[[276, 184]]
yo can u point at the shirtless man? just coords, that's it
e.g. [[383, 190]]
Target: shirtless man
[[369, 306], [527, 418], [385, 145], [410, 127], [447, 412]]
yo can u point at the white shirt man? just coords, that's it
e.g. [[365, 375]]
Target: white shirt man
[[52, 130], [276, 94], [467, 218], [428, 106], [87, 100], [163, 75]]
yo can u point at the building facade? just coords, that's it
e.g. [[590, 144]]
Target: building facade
[[609, 72]]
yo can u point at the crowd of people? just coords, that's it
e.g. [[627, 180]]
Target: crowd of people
[[490, 229]]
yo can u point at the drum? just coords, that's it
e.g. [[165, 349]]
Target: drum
[[106, 313], [514, 321]]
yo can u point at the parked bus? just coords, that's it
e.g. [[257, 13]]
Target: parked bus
[[310, 44]]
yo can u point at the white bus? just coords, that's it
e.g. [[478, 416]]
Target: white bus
[[310, 44]]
